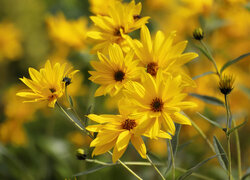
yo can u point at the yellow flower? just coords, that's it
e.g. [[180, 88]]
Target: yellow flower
[[100, 6], [10, 46], [68, 32], [12, 131], [116, 131], [121, 19], [162, 54], [113, 73], [161, 100], [48, 84]]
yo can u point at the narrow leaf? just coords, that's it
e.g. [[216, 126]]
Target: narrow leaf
[[205, 53], [208, 99], [175, 138], [237, 127], [71, 102], [190, 171], [89, 171], [86, 119], [209, 120], [231, 62], [203, 74], [174, 143], [246, 175], [222, 157]]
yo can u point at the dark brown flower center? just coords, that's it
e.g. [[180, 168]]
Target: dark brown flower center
[[128, 124], [119, 75], [136, 17], [156, 105], [152, 68], [117, 31], [52, 90]]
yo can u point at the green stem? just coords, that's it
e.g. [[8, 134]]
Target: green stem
[[172, 156], [154, 166], [136, 163], [70, 118], [202, 134], [211, 57], [228, 138], [71, 106], [126, 167]]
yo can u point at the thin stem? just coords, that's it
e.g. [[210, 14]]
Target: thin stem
[[228, 138], [138, 163], [71, 106], [194, 174], [172, 156], [202, 134], [70, 118], [154, 166], [212, 59], [238, 151], [126, 167]]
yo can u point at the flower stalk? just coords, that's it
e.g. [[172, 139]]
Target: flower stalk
[[154, 166], [172, 157]]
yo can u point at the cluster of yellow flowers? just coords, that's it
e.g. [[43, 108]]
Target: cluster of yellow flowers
[[146, 75]]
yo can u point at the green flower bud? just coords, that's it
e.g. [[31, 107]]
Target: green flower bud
[[198, 34]]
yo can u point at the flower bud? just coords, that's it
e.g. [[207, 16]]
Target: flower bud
[[80, 154], [226, 84], [198, 34]]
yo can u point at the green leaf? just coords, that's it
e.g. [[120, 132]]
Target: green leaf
[[89, 171], [190, 171], [86, 119], [203, 74], [209, 120], [231, 62], [246, 175], [208, 99], [222, 157], [175, 138], [174, 143], [71, 102], [237, 127], [205, 53]]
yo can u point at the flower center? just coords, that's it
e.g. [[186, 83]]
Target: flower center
[[152, 68], [136, 17], [117, 31], [156, 105], [119, 75], [128, 124], [52, 90]]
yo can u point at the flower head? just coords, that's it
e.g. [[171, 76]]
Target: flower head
[[226, 84], [71, 33], [122, 19], [113, 73], [46, 84], [161, 100], [161, 53], [116, 131], [10, 46]]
